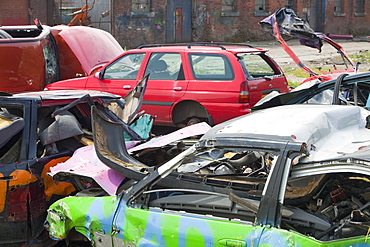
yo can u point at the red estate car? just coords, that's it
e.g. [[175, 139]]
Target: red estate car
[[189, 83]]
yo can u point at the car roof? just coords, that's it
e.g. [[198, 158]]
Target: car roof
[[202, 47]]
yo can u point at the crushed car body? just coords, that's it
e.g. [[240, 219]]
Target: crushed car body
[[304, 183], [85, 163], [346, 89], [285, 23], [38, 130], [33, 56]]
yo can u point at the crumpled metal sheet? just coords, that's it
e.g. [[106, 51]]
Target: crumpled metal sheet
[[291, 25], [85, 162], [186, 132], [329, 131]]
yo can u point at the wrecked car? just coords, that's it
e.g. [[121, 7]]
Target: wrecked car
[[285, 24], [305, 182], [346, 89], [33, 56], [100, 179], [37, 131]]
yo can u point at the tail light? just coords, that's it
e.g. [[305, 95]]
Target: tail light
[[244, 93]]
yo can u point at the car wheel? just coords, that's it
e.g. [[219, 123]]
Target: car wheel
[[190, 112], [192, 121]]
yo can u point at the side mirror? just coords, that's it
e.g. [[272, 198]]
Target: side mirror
[[99, 75]]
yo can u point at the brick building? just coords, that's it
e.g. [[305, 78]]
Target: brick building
[[135, 22]]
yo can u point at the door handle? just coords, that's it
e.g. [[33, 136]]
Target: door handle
[[126, 86], [177, 88], [232, 242]]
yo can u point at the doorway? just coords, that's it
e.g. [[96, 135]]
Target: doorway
[[178, 21]]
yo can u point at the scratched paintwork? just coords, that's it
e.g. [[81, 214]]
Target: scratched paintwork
[[141, 227]]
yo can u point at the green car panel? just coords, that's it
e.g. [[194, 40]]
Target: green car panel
[[142, 227]]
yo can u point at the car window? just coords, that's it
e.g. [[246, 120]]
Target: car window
[[125, 67], [255, 66], [51, 59], [11, 133], [165, 66], [211, 67]]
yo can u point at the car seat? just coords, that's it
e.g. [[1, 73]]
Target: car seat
[[159, 70]]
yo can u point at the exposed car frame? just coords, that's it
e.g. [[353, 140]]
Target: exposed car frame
[[275, 207], [285, 23], [39, 130]]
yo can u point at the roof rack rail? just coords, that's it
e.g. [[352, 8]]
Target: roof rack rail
[[214, 44], [225, 43]]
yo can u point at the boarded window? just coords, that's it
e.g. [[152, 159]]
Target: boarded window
[[338, 6], [228, 5], [141, 5], [260, 6], [360, 6]]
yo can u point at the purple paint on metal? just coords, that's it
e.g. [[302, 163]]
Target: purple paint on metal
[[85, 162]]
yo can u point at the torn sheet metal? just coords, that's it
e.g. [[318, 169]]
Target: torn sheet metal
[[328, 130], [186, 132], [84, 162], [285, 22]]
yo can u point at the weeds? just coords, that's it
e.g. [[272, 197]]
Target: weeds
[[295, 75]]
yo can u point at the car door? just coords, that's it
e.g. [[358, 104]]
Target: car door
[[166, 84], [120, 76]]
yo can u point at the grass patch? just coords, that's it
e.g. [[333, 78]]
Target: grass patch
[[299, 74], [361, 56]]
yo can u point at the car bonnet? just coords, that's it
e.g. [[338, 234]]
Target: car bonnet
[[79, 39]]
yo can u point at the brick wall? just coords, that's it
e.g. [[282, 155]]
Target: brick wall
[[348, 22], [209, 22], [14, 12], [133, 29], [23, 12], [39, 10]]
